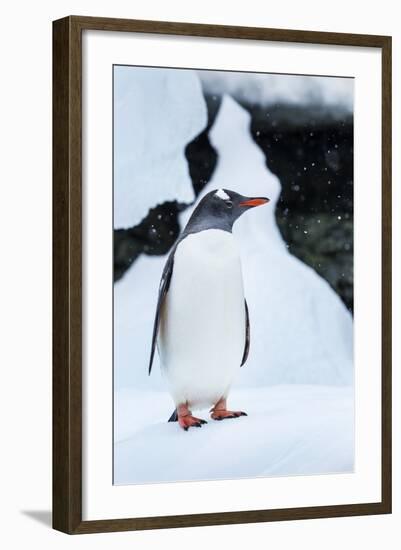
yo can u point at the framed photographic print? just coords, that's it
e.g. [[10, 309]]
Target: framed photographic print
[[222, 274]]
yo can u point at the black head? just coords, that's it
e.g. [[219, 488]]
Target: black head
[[220, 208]]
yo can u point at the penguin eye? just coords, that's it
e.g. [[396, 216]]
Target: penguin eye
[[229, 204]]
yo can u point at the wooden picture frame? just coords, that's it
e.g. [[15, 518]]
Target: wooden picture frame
[[67, 274]]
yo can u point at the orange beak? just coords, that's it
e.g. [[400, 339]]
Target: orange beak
[[254, 202]]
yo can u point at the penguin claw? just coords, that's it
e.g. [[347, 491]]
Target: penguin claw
[[224, 414]]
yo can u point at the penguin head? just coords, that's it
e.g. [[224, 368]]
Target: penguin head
[[220, 208]]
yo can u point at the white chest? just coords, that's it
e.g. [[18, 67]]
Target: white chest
[[202, 332]]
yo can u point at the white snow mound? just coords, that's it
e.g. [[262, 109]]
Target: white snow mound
[[289, 430], [157, 113]]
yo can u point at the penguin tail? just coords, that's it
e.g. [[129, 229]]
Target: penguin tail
[[173, 417]]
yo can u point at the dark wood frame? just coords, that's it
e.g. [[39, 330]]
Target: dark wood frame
[[67, 277]]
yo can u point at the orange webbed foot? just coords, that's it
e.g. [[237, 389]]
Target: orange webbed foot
[[189, 421]]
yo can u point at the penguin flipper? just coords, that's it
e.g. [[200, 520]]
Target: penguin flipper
[[163, 289], [247, 336]]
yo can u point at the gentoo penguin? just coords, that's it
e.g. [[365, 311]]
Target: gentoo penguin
[[201, 326]]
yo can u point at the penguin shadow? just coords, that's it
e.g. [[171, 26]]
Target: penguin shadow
[[44, 517]]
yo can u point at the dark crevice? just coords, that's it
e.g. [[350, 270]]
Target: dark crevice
[[311, 152]]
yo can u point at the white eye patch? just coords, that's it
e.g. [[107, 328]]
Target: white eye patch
[[222, 194]]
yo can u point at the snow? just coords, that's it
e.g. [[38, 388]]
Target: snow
[[270, 89], [289, 430], [135, 299], [297, 385], [222, 194], [156, 114]]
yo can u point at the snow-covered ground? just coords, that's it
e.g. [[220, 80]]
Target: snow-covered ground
[[289, 430], [297, 385]]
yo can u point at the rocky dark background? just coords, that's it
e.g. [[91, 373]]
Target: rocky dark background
[[310, 149]]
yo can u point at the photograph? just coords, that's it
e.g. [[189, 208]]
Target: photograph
[[232, 275], [201, 290]]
